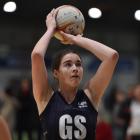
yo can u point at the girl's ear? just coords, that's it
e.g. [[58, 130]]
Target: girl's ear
[[55, 74]]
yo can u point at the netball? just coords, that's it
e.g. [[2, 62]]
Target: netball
[[69, 19]]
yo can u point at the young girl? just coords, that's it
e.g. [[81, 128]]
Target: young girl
[[69, 113]]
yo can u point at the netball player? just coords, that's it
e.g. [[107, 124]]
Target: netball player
[[70, 113]]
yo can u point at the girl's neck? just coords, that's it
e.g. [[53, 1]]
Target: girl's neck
[[68, 94]]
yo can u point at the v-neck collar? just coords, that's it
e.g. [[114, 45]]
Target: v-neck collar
[[63, 98]]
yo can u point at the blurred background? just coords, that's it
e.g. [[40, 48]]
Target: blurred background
[[115, 23]]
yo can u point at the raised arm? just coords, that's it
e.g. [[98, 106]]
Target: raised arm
[[108, 56], [41, 89]]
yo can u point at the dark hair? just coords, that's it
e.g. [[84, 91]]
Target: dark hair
[[58, 57]]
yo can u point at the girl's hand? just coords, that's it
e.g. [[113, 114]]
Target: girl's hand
[[50, 19], [67, 38]]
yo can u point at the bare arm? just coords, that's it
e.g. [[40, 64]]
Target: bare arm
[[109, 57], [41, 89], [4, 130]]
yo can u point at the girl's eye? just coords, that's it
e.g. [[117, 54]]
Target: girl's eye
[[78, 64], [68, 64]]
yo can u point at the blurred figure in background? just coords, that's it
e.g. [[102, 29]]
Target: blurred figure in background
[[103, 129], [24, 113], [8, 108], [4, 130], [133, 131], [27, 119], [109, 100], [117, 122], [124, 112], [113, 104]]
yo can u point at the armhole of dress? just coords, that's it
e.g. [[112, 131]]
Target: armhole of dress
[[91, 104], [49, 102]]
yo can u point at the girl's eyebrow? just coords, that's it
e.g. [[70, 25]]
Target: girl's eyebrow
[[68, 61]]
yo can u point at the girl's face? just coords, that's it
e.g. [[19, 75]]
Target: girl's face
[[70, 71]]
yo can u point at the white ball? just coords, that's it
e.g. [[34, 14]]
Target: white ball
[[69, 19]]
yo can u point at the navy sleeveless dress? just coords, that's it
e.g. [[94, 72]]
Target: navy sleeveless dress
[[74, 121]]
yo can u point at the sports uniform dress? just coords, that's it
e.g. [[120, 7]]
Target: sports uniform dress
[[74, 121]]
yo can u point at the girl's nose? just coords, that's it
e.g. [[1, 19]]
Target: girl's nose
[[74, 68]]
